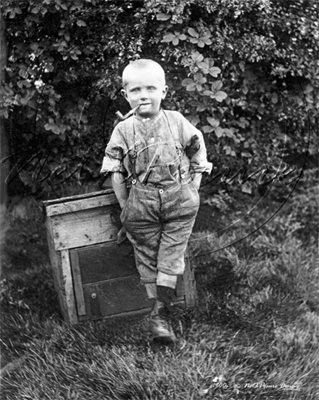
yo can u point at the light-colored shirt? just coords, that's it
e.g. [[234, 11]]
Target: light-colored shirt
[[158, 151]]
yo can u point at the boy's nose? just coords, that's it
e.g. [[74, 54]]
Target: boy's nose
[[144, 95]]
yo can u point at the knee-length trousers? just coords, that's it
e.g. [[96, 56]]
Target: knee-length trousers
[[158, 222]]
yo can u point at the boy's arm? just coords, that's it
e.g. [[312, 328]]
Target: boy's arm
[[119, 187], [195, 150], [197, 178]]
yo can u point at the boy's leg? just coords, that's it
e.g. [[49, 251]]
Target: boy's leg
[[160, 325], [174, 238], [176, 230], [177, 227], [159, 322], [159, 319], [144, 232], [160, 246], [145, 237], [158, 224]]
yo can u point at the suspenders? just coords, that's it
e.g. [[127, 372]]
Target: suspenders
[[133, 153]]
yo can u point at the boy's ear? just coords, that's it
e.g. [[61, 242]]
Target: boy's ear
[[165, 90], [123, 93]]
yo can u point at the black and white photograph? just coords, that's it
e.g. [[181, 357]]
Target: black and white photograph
[[159, 200]]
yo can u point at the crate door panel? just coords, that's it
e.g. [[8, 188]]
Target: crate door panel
[[115, 297], [106, 281], [105, 261]]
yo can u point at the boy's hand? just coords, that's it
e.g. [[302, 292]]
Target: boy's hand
[[119, 187], [121, 236], [122, 203]]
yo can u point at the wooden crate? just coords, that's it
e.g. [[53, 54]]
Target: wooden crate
[[95, 277]]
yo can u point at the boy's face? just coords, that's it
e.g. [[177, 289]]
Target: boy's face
[[145, 87]]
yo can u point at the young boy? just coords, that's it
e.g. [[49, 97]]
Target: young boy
[[163, 156]]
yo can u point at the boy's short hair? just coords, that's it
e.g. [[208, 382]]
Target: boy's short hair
[[142, 63]]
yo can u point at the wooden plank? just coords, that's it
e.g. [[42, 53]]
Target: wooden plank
[[68, 287], [77, 283], [56, 264], [189, 283], [77, 197], [69, 205], [85, 228], [115, 317], [180, 287]]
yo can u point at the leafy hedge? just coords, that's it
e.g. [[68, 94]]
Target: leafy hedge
[[245, 73]]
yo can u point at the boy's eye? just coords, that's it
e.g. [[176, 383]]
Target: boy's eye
[[151, 88]]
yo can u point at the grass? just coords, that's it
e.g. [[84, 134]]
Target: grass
[[253, 335]]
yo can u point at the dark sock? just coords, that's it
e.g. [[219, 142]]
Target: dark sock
[[165, 294]]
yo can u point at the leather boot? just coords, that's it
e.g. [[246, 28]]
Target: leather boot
[[159, 325]]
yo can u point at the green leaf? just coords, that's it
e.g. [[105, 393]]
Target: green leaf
[[214, 71], [23, 73], [13, 11], [35, 10], [193, 119], [274, 98], [208, 93], [207, 129], [229, 151], [79, 22], [191, 87], [193, 33], [197, 57], [228, 55], [216, 86], [220, 96], [190, 84], [193, 40], [162, 17], [203, 66], [219, 132], [229, 132], [213, 122], [4, 113], [187, 81], [201, 107], [51, 126], [199, 78], [169, 37]]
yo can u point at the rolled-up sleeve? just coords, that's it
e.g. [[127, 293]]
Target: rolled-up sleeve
[[114, 154], [195, 148]]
